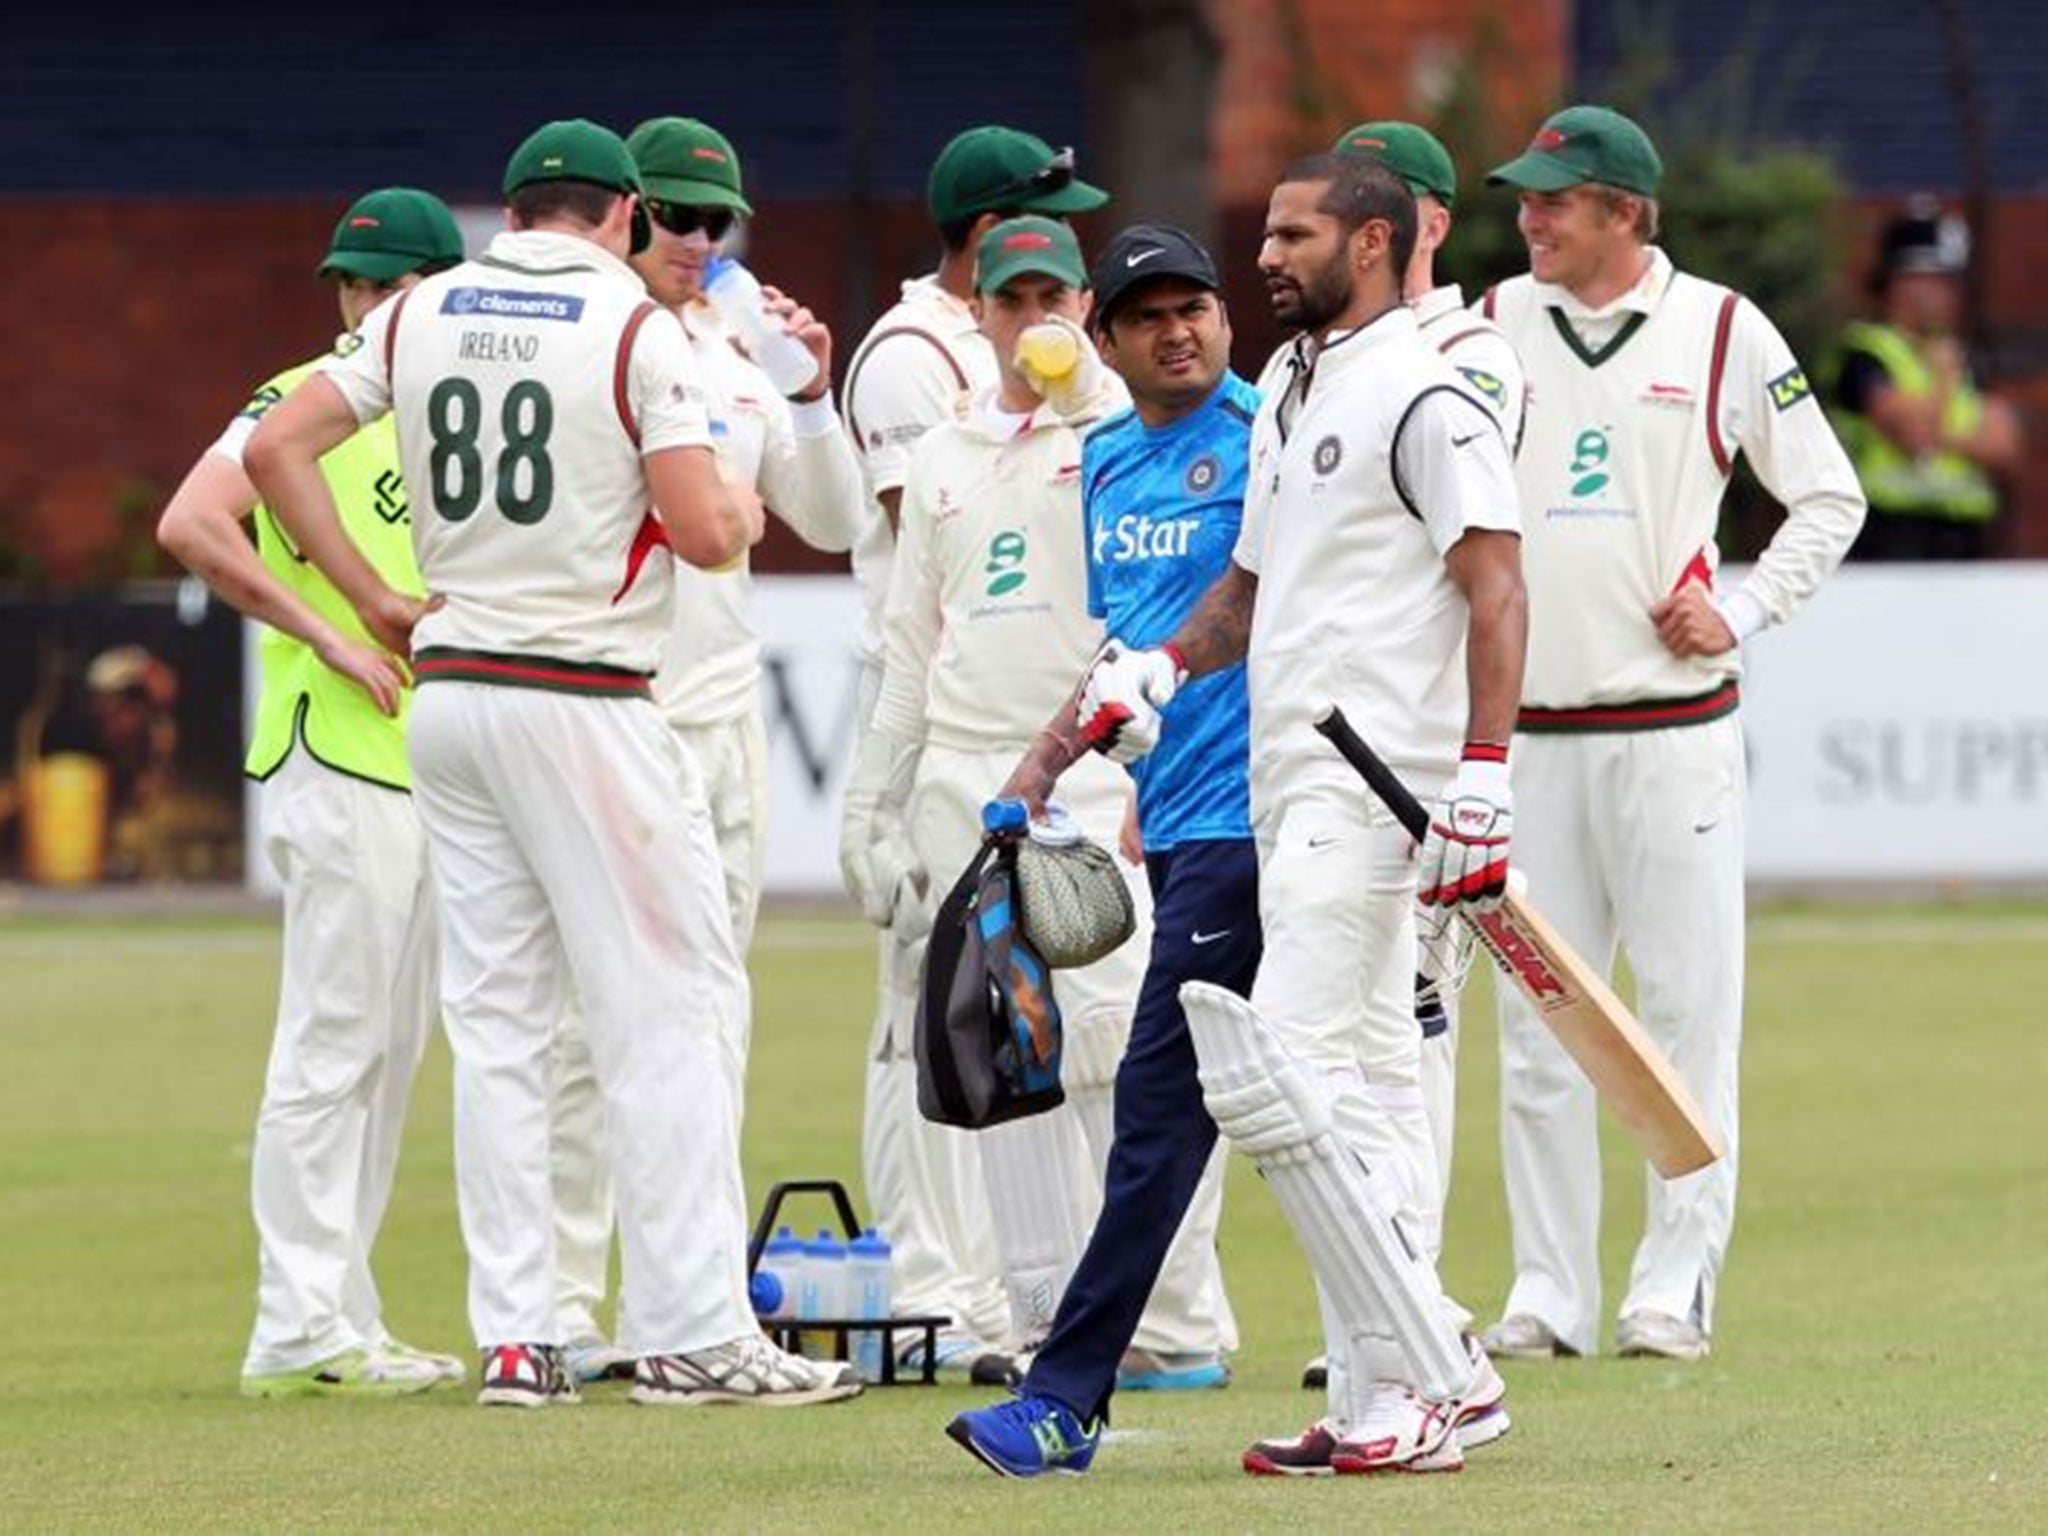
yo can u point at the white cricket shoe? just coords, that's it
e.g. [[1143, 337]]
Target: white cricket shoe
[[1660, 1334], [1304, 1455], [1479, 1414], [446, 1368], [1402, 1431], [1524, 1336], [526, 1376], [748, 1370]]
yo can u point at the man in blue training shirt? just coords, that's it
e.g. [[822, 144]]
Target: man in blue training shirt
[[1163, 496]]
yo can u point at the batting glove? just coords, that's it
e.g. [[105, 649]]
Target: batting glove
[[1465, 855], [1122, 697]]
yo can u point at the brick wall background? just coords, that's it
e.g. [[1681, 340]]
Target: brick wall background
[[137, 319]]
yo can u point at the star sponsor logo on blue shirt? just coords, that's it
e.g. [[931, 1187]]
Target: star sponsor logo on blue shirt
[[1164, 506]]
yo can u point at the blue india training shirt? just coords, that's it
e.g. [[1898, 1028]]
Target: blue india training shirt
[[1162, 507]]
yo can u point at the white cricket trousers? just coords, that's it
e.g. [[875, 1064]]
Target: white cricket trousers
[[729, 761], [924, 1181], [355, 1005], [1337, 983], [1632, 838], [567, 857]]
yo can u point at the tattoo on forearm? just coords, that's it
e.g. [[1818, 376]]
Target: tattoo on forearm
[[1217, 632]]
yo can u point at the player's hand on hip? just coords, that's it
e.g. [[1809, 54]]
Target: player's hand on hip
[[1465, 856], [1123, 696], [378, 674], [390, 616], [1690, 625]]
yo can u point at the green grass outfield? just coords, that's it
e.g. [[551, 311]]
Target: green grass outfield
[[1882, 1360]]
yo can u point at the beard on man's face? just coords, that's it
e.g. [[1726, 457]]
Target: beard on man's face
[[1314, 301]]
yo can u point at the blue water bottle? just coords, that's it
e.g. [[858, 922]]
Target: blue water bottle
[[781, 1266]]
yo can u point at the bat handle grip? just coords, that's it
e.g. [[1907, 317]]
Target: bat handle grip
[[1392, 792]]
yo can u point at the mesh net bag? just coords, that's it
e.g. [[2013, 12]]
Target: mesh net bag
[[1073, 903]]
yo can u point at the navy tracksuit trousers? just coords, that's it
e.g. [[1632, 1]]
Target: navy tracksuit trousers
[[1205, 927]]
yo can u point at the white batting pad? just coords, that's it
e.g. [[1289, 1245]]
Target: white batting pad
[[1273, 1111], [1042, 1204]]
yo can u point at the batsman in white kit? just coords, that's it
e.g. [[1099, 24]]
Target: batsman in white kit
[[1646, 382], [544, 406], [1378, 568], [1492, 373], [788, 456], [986, 628]]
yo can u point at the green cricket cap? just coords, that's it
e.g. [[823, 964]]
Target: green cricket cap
[[1414, 154], [1030, 244], [688, 162], [1582, 144], [390, 232], [573, 149], [991, 168]]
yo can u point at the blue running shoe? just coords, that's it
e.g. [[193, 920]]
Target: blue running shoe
[[1027, 1436]]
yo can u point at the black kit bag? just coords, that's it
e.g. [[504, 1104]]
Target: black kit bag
[[988, 1031]]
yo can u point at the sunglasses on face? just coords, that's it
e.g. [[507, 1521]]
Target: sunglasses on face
[[682, 219]]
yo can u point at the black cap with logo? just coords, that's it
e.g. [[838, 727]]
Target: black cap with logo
[[1142, 253]]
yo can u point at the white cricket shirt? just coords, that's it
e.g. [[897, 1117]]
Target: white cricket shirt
[[796, 458], [524, 405], [1636, 413], [1370, 460], [911, 371], [1474, 346], [987, 628]]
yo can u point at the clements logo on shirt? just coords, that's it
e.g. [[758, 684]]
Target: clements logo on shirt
[[510, 305]]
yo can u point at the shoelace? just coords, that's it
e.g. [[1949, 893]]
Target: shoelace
[[1031, 1413]]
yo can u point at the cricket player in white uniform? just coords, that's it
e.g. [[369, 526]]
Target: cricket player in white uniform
[[1474, 346], [986, 628], [909, 374], [785, 456], [1377, 569], [356, 998], [553, 425], [1645, 384]]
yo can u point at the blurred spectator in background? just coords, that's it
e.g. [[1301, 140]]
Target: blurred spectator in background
[[1926, 443]]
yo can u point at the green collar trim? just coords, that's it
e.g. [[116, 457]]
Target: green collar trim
[[1591, 357], [512, 266]]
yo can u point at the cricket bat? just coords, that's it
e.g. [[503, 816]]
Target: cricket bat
[[1634, 1079]]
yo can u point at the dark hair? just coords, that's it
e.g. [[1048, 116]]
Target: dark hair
[[955, 233], [1362, 189], [429, 268], [584, 201]]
